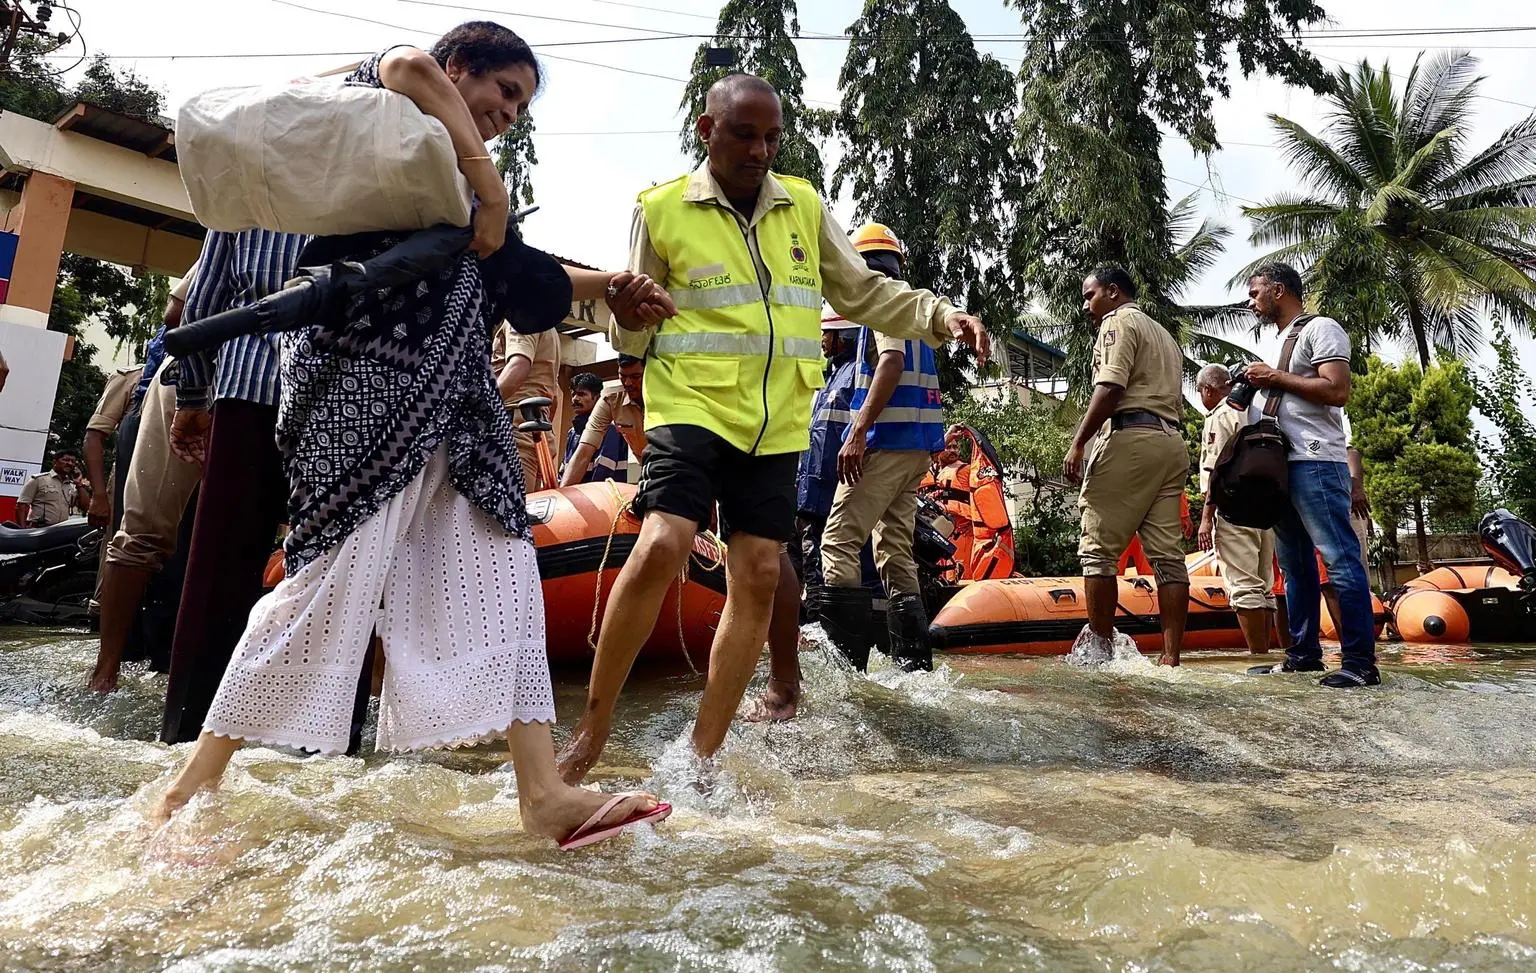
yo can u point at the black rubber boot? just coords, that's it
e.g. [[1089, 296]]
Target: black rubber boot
[[879, 624], [844, 616], [910, 648]]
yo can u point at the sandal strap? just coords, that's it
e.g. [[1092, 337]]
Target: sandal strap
[[599, 814]]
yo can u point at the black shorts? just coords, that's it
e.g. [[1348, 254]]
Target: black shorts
[[688, 469]]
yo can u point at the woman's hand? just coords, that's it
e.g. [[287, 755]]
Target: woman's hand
[[637, 302], [492, 214]]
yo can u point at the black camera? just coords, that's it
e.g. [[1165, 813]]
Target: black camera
[[1240, 396]]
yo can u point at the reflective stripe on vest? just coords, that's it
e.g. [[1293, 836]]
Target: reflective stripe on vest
[[913, 417], [745, 345], [740, 359]]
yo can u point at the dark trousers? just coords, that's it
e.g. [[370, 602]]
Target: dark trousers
[[1318, 519], [242, 500]]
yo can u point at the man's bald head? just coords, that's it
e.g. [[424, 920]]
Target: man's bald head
[[724, 94], [742, 125]]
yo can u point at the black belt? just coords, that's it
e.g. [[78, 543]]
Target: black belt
[[1137, 417]]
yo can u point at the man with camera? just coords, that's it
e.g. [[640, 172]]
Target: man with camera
[[1313, 386]]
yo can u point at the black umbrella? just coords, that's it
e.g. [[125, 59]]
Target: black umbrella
[[317, 293]]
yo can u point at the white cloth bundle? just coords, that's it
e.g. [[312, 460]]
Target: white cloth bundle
[[317, 157]]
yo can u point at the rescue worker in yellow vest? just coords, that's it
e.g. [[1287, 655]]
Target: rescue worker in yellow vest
[[748, 257], [897, 426]]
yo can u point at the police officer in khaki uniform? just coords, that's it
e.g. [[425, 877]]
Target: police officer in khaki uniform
[[1247, 554], [1134, 474], [623, 408], [49, 498]]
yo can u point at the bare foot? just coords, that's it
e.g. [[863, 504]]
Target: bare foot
[[559, 815], [779, 702], [103, 680], [1167, 660], [174, 800], [581, 754]]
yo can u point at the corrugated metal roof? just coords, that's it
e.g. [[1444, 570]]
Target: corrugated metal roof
[[93, 121]]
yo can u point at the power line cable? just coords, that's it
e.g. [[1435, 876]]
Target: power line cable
[[434, 33]]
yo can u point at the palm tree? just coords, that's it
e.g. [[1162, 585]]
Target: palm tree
[[1399, 230], [1196, 248]]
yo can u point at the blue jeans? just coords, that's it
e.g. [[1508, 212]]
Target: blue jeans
[[1319, 518]]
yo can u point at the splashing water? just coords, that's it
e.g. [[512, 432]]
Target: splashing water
[[999, 814]]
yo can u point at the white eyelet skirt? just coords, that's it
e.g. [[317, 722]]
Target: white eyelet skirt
[[462, 621]]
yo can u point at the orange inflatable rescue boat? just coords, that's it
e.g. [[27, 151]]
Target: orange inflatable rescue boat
[[584, 534], [1486, 603], [1043, 616]]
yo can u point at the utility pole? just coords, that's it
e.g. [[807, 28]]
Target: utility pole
[[15, 21]]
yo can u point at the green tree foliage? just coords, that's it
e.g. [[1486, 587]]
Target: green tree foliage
[[1099, 77], [515, 158], [1405, 235], [1031, 442], [928, 124], [31, 87], [1196, 248], [129, 306], [1505, 398], [761, 32], [1413, 428]]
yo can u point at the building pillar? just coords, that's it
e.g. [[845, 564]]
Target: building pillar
[[40, 221], [33, 353]]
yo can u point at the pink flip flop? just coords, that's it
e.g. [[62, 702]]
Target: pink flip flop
[[590, 833]]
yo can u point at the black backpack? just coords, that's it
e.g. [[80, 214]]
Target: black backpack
[[1251, 482]]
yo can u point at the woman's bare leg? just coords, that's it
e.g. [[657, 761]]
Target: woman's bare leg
[[205, 769], [549, 805]]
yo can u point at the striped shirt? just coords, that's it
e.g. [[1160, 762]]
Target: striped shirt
[[236, 269]]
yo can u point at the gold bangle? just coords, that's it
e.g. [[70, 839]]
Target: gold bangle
[[474, 158]]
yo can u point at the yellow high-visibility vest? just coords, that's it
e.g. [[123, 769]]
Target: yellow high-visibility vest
[[740, 359]]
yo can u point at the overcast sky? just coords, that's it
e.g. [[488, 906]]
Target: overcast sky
[[605, 134]]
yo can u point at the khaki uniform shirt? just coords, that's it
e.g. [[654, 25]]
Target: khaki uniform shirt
[[542, 350], [1139, 355], [617, 409], [51, 497], [1220, 426], [847, 283], [115, 399]]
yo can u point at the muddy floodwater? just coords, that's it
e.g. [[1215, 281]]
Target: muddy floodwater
[[999, 814]]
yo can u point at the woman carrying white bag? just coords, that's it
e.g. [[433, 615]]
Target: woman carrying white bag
[[408, 493]]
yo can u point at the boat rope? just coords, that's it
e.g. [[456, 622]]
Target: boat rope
[[621, 507]]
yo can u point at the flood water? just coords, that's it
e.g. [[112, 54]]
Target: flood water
[[1000, 814]]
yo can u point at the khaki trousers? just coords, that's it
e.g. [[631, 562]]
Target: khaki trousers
[[159, 486], [1131, 485], [1247, 557], [882, 506]]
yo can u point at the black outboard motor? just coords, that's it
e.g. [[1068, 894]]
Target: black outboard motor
[[1511, 542]]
